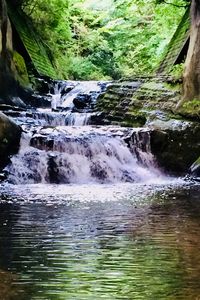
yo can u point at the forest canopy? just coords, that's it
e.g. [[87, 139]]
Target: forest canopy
[[91, 39]]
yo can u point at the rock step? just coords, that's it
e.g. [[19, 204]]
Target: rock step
[[124, 98]]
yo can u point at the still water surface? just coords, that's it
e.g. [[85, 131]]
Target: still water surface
[[123, 241]]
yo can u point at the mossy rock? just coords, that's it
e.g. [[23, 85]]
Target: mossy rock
[[10, 134], [190, 109], [20, 71]]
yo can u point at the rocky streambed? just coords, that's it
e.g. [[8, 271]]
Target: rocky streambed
[[171, 139], [151, 103], [88, 204]]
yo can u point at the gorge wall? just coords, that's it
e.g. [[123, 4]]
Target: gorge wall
[[151, 103], [13, 72]]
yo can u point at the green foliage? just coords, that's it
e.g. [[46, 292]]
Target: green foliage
[[192, 106], [178, 3], [90, 39], [177, 71]]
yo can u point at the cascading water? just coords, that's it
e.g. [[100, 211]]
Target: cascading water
[[59, 149], [84, 87], [77, 155], [140, 145], [81, 97]]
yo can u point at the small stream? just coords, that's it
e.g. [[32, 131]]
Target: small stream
[[83, 216]]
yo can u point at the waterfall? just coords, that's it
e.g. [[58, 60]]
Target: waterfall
[[64, 93], [62, 147], [76, 155], [140, 144], [45, 117], [56, 96], [84, 87], [78, 119]]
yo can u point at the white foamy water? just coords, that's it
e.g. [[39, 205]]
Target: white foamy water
[[78, 155], [78, 119], [45, 117], [62, 148], [82, 87]]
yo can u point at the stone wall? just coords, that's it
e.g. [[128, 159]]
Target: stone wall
[[132, 103]]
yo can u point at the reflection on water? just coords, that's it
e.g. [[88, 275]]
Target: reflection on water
[[100, 242]]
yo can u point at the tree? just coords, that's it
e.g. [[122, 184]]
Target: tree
[[103, 39], [3, 27], [191, 77]]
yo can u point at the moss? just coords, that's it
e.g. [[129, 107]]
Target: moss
[[190, 109], [152, 85], [173, 87], [192, 106], [134, 118], [177, 71], [32, 42], [177, 42], [152, 96], [20, 71]]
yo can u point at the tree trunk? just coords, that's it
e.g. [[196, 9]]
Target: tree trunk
[[191, 77], [7, 79], [3, 27], [5, 59]]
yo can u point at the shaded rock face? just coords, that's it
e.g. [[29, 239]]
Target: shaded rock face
[[10, 134], [175, 144], [13, 73]]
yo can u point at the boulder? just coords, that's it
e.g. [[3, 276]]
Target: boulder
[[82, 101], [175, 144], [10, 134]]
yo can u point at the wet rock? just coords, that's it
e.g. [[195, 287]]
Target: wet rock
[[42, 142], [175, 144], [104, 85], [37, 100], [66, 90], [17, 102], [82, 101], [129, 103], [99, 119], [53, 170], [43, 84], [10, 108], [10, 134], [195, 169], [3, 176], [10, 291], [127, 177], [98, 171]]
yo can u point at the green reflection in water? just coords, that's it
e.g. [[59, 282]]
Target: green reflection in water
[[106, 251]]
